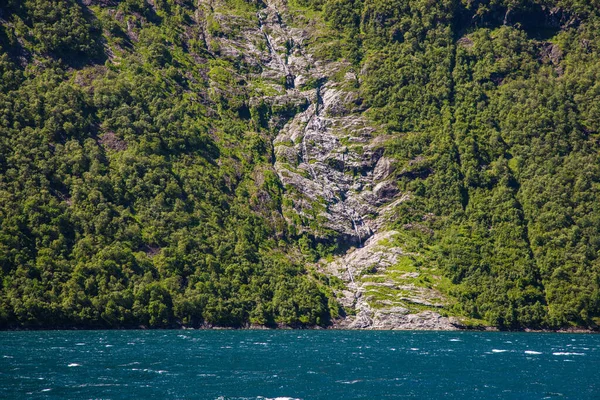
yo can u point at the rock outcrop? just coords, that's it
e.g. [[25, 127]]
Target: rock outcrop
[[338, 185], [403, 304]]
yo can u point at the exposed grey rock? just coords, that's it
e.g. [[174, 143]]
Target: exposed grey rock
[[372, 254], [378, 254], [110, 141], [410, 275], [551, 53], [329, 157], [383, 169], [324, 155], [426, 320], [101, 3]]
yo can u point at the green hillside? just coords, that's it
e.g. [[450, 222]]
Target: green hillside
[[138, 184]]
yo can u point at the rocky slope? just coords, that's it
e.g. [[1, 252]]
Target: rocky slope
[[383, 293], [329, 157]]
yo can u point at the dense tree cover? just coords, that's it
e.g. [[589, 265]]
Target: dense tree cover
[[493, 109], [135, 189], [132, 192]]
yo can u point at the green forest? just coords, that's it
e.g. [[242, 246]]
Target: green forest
[[136, 179]]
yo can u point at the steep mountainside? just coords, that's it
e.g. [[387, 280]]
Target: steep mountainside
[[372, 164]]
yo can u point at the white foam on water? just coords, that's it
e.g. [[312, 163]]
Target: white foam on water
[[553, 395], [46, 390], [99, 385], [160, 371], [128, 364], [499, 351], [567, 353], [414, 349], [109, 345], [272, 398], [79, 344], [7, 356], [532, 352], [74, 365]]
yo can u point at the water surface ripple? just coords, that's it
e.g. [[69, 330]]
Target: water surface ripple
[[298, 365]]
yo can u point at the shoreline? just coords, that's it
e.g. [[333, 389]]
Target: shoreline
[[307, 328]]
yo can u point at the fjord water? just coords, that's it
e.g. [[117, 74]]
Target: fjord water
[[298, 365]]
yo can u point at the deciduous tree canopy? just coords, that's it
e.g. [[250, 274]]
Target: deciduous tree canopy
[[136, 181]]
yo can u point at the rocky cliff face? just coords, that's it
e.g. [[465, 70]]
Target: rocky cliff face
[[338, 185], [382, 293]]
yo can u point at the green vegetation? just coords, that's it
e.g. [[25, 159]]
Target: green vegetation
[[136, 180], [133, 189], [493, 110]]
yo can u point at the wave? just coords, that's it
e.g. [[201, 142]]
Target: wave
[[160, 371], [349, 382], [279, 398]]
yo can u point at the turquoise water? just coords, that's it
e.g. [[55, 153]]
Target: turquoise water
[[297, 365]]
